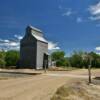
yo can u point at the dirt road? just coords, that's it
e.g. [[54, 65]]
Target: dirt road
[[40, 87]]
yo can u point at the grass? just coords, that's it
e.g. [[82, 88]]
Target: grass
[[77, 91]]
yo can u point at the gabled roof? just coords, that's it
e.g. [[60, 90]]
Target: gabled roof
[[40, 38], [34, 28], [37, 35]]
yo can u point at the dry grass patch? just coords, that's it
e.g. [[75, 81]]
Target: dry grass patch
[[4, 78], [77, 91]]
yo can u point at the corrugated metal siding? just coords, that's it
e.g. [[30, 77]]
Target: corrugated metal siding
[[28, 52], [41, 49]]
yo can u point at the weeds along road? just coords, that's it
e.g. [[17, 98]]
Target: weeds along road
[[39, 87]]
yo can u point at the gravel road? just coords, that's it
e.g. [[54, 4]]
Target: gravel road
[[38, 87]]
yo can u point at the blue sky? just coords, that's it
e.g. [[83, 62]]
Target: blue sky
[[67, 24]]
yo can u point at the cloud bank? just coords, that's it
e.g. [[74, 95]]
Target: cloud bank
[[97, 48], [14, 44], [10, 44], [53, 46], [95, 11]]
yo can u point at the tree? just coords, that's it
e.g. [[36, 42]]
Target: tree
[[95, 60], [59, 57], [76, 59], [2, 59], [12, 58]]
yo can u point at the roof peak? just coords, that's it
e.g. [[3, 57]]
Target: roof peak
[[34, 28]]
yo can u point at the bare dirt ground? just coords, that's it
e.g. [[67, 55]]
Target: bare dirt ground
[[40, 87]]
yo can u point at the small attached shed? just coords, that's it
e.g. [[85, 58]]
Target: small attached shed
[[33, 49]]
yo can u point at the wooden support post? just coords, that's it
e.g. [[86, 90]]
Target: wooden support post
[[89, 72], [45, 66]]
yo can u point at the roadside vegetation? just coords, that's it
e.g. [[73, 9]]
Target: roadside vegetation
[[77, 59], [9, 59], [77, 91]]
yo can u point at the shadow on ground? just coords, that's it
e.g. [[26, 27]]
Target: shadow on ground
[[16, 74]]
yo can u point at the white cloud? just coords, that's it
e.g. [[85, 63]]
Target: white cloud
[[67, 13], [14, 44], [8, 44], [79, 20], [98, 53], [19, 37], [6, 41], [94, 18], [97, 48], [94, 11], [53, 46]]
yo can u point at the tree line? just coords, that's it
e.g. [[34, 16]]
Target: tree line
[[79, 59], [9, 59]]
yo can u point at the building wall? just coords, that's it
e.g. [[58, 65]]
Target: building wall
[[28, 52], [41, 49]]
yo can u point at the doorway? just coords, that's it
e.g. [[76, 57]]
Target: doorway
[[45, 61]]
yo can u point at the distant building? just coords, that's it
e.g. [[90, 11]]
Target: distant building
[[33, 49]]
